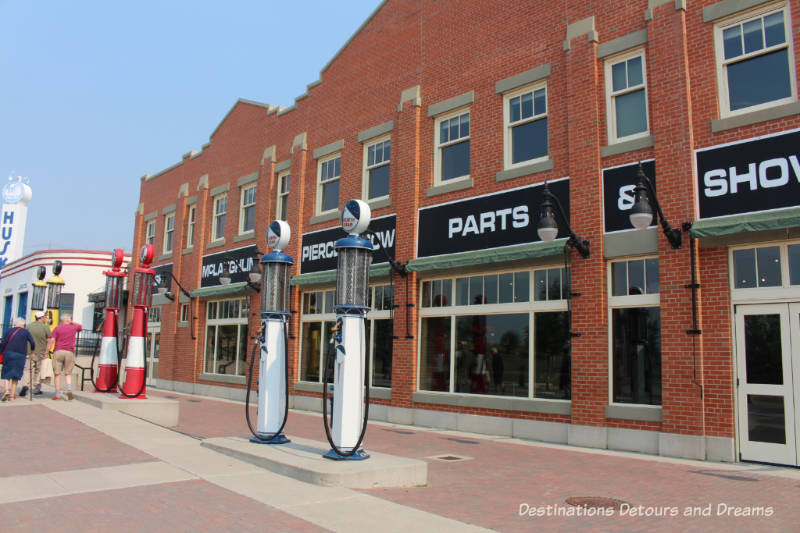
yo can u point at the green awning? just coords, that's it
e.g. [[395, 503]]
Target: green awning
[[220, 291], [329, 276], [506, 254], [714, 227]]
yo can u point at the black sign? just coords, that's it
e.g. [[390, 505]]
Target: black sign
[[618, 185], [490, 221], [240, 261], [748, 176], [318, 253], [162, 277]]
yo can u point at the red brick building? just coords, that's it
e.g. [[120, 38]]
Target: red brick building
[[448, 118]]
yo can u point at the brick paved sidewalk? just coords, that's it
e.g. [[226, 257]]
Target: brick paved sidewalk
[[500, 478]]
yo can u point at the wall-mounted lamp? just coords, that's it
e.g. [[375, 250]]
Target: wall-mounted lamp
[[163, 291], [645, 200], [254, 275], [548, 227]]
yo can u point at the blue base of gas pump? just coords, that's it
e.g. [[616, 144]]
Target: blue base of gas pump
[[360, 455], [279, 439]]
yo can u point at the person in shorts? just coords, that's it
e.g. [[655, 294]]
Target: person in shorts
[[63, 341]]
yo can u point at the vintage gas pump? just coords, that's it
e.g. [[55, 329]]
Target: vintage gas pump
[[108, 365], [350, 407], [273, 370], [134, 386], [55, 284], [39, 292]]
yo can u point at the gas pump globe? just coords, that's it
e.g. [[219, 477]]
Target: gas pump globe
[[39, 290], [350, 364], [273, 370], [54, 287]]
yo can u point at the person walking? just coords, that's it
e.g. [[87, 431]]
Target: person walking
[[63, 341], [14, 346], [40, 332]]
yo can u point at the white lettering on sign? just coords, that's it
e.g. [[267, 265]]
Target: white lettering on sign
[[766, 174], [626, 197], [488, 222], [322, 250], [245, 264]]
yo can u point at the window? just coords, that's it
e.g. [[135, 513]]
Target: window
[[218, 220], [169, 232], [318, 318], [190, 227], [525, 117], [488, 334], [376, 169], [154, 315], [775, 267], [452, 147], [150, 233], [22, 305], [328, 184], [247, 211], [635, 332], [626, 97], [283, 196], [226, 336], [754, 62], [184, 313]]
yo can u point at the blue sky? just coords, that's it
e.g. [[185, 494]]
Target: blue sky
[[96, 94]]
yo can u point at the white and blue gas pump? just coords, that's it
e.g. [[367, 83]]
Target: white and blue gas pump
[[351, 367], [273, 381]]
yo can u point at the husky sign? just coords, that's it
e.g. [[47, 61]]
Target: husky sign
[[16, 195]]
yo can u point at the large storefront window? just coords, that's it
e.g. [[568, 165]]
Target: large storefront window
[[226, 336], [319, 317], [764, 267], [636, 332], [495, 334]]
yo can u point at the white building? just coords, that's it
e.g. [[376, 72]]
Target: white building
[[82, 272]]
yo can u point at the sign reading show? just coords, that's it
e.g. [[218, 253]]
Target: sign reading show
[[318, 253], [240, 261], [759, 174], [618, 194], [489, 221]]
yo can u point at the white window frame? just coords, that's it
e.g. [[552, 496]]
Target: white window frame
[[625, 302], [184, 313], [190, 221], [722, 73], [282, 201], [611, 96], [438, 146], [531, 307], [240, 321], [150, 233], [169, 233], [320, 183], [244, 206], [784, 292], [508, 126], [216, 215], [367, 167]]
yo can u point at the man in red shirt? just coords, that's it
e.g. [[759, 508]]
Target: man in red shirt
[[63, 340]]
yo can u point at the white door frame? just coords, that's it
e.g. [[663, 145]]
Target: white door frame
[[152, 331]]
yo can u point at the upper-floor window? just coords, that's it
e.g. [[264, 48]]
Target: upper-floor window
[[169, 232], [773, 267], [247, 212], [376, 169], [218, 219], [452, 147], [282, 210], [190, 219], [150, 232], [525, 117], [626, 97], [328, 172], [754, 61]]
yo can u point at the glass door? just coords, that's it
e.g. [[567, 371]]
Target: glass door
[[153, 344], [768, 379]]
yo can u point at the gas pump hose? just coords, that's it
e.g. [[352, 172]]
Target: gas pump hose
[[328, 368], [250, 383]]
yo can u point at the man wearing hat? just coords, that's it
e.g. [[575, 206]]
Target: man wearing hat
[[40, 332]]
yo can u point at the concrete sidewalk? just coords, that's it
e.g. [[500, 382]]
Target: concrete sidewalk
[[71, 466]]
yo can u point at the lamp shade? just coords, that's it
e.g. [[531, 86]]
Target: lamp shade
[[641, 213], [547, 228], [225, 276]]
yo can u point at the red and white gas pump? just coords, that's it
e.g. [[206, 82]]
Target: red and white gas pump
[[134, 386], [108, 365]]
